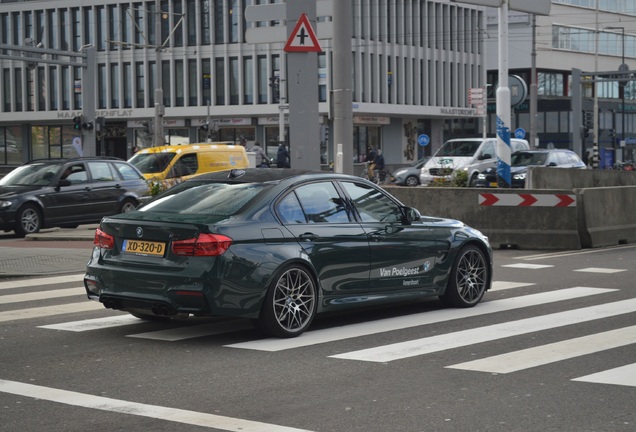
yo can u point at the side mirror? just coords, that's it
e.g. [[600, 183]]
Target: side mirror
[[63, 182], [412, 214], [485, 156], [552, 164]]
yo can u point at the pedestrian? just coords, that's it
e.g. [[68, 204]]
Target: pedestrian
[[261, 156], [371, 155], [282, 157]]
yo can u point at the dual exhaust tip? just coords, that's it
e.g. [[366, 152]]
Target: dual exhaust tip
[[157, 309]]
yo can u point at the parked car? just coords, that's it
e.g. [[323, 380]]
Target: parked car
[[520, 161], [68, 192], [410, 176], [472, 155], [278, 247]]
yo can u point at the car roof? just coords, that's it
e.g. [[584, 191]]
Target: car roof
[[77, 159], [257, 175]]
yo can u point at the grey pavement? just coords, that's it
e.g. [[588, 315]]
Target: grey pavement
[[54, 251]]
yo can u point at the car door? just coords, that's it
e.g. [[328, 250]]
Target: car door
[[336, 245], [105, 188], [404, 256], [69, 201]]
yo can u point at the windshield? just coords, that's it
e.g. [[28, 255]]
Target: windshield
[[35, 174], [218, 199], [525, 159], [458, 148], [152, 163]]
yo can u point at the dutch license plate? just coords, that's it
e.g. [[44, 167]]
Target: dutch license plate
[[141, 247], [493, 184]]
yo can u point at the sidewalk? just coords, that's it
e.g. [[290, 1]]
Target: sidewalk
[[54, 251]]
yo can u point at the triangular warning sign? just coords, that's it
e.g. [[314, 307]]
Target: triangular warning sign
[[303, 38]]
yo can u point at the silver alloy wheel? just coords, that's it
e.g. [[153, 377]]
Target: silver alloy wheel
[[471, 276], [128, 206], [294, 300], [411, 181], [30, 220]]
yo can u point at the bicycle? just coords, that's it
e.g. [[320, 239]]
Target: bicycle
[[380, 177]]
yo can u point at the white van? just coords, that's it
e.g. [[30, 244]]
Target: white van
[[472, 155]]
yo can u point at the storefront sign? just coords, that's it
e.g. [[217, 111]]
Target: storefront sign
[[371, 120]]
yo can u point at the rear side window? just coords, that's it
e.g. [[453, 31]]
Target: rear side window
[[321, 203], [100, 171], [212, 199], [127, 172]]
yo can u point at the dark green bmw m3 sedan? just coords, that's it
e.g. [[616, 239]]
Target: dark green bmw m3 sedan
[[279, 246]]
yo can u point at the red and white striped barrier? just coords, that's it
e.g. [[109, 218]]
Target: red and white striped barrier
[[527, 200]]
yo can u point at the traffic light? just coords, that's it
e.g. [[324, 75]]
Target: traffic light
[[77, 123], [274, 83], [612, 133], [147, 126], [205, 127], [87, 125]]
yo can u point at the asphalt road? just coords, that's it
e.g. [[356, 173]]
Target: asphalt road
[[552, 348]]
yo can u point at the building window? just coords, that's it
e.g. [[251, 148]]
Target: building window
[[140, 85], [179, 83], [166, 82], [206, 77], [114, 85], [234, 81], [127, 82], [191, 21], [192, 83], [219, 81], [248, 80], [263, 79], [102, 84]]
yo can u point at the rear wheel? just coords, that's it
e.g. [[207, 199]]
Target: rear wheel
[[468, 279], [473, 180], [127, 206], [28, 220], [290, 303]]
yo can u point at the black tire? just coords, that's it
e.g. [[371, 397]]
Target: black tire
[[127, 205], [28, 220], [412, 181], [290, 304], [472, 181], [468, 278]]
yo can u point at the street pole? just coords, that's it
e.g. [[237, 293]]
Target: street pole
[[534, 141], [503, 102], [622, 68], [159, 108], [342, 96]]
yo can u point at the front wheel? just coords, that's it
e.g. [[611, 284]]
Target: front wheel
[[468, 278], [290, 303], [412, 181], [28, 220]]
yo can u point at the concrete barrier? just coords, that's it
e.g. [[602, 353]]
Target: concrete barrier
[[514, 224], [568, 178], [607, 216]]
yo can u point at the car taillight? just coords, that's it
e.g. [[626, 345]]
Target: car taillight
[[204, 245], [103, 240]]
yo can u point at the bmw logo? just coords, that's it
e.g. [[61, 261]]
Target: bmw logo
[[139, 232]]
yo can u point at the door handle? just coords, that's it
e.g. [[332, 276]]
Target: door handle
[[376, 237], [308, 236]]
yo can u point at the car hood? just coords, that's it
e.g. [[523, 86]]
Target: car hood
[[449, 161], [7, 192]]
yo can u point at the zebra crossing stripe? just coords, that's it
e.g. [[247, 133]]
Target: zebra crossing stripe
[[502, 285], [417, 347], [39, 312], [42, 295], [94, 324], [624, 375], [174, 415], [25, 283], [314, 337], [551, 353]]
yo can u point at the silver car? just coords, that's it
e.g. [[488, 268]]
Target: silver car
[[410, 176]]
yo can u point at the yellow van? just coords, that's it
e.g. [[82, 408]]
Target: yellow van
[[173, 164]]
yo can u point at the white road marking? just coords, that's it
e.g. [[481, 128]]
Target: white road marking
[[24, 283], [189, 332], [528, 266], [417, 347], [139, 409], [42, 295], [600, 270], [624, 375], [397, 323], [94, 324], [551, 353], [502, 285], [40, 312]]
